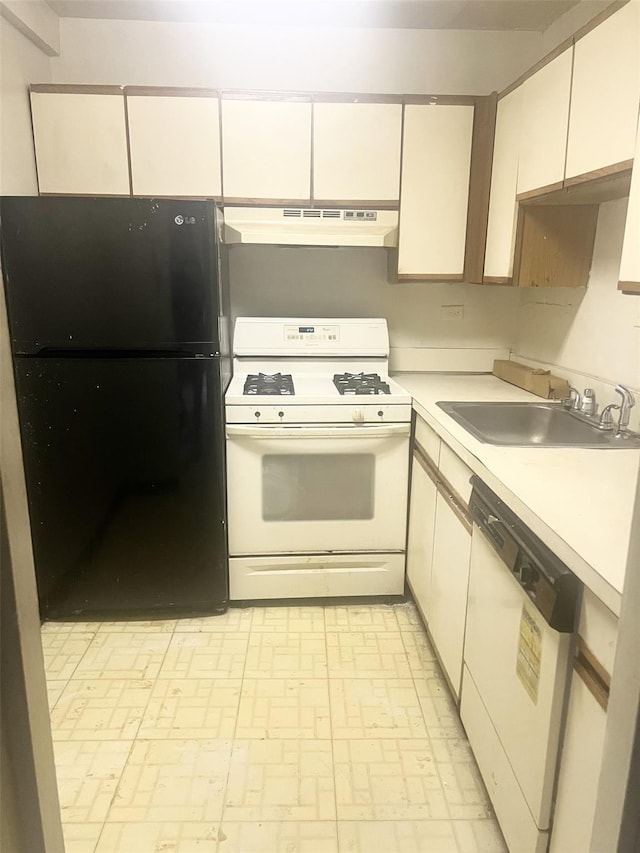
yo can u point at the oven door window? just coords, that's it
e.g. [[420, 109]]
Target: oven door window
[[318, 487]]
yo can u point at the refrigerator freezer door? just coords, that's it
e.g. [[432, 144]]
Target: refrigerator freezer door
[[110, 273], [124, 468]]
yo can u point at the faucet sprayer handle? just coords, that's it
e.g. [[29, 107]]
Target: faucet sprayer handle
[[627, 403], [627, 397]]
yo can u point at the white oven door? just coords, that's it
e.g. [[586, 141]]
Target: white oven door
[[317, 489]]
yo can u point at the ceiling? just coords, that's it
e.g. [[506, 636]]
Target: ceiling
[[531, 15]]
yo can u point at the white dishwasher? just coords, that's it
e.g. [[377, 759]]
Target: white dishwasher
[[521, 615]]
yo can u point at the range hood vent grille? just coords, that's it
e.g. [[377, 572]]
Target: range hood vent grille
[[313, 213], [300, 226]]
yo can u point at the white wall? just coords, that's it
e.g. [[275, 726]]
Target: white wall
[[346, 59], [272, 281], [590, 335], [21, 63]]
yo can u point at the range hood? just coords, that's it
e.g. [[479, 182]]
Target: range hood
[[302, 226]]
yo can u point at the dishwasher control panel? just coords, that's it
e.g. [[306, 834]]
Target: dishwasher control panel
[[550, 585]]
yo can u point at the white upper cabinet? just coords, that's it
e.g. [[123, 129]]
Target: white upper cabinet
[[266, 149], [175, 144], [544, 122], [498, 262], [605, 93], [630, 263], [80, 140], [356, 151], [434, 193]]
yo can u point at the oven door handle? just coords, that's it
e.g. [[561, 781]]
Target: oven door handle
[[266, 431]]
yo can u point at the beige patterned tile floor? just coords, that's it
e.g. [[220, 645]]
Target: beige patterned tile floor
[[263, 730]]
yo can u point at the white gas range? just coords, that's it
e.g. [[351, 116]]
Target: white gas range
[[317, 439]]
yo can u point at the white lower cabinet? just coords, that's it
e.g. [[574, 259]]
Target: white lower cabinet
[[583, 747], [439, 546], [579, 771], [449, 583], [422, 516]]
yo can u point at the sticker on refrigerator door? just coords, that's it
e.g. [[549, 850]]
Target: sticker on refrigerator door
[[529, 654]]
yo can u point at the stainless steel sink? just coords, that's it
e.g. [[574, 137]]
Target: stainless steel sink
[[532, 425]]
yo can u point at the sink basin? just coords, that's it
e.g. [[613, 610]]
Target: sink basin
[[531, 425]]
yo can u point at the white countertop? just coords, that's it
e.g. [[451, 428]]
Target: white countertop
[[578, 501]]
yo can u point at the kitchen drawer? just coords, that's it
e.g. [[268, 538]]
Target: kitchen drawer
[[428, 439], [455, 472]]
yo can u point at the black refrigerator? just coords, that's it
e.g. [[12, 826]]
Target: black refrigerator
[[117, 312]]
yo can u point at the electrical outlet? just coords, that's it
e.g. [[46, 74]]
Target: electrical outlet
[[452, 312]]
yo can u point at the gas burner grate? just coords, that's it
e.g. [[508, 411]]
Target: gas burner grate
[[360, 383], [269, 384]]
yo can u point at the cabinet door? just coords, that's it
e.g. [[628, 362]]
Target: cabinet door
[[583, 745], [543, 125], [420, 539], [629, 279], [175, 145], [449, 583], [356, 151], [501, 229], [266, 150], [579, 771], [605, 93], [80, 141], [434, 195]]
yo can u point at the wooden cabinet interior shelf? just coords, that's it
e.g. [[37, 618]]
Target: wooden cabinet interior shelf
[[554, 245]]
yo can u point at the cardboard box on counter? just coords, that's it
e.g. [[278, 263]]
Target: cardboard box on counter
[[540, 382]]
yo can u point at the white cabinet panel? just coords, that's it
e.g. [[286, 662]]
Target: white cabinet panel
[[630, 262], [266, 149], [599, 629], [501, 229], [434, 195], [175, 145], [356, 151], [543, 124], [605, 93], [457, 474], [80, 142], [420, 539], [429, 440], [583, 746], [449, 583], [579, 772]]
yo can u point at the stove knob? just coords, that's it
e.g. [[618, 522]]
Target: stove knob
[[358, 416]]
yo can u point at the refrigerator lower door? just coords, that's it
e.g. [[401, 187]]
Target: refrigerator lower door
[[125, 478]]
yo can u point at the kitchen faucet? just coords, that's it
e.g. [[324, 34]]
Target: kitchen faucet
[[584, 408]]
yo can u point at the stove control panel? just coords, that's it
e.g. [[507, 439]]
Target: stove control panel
[[312, 333]]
